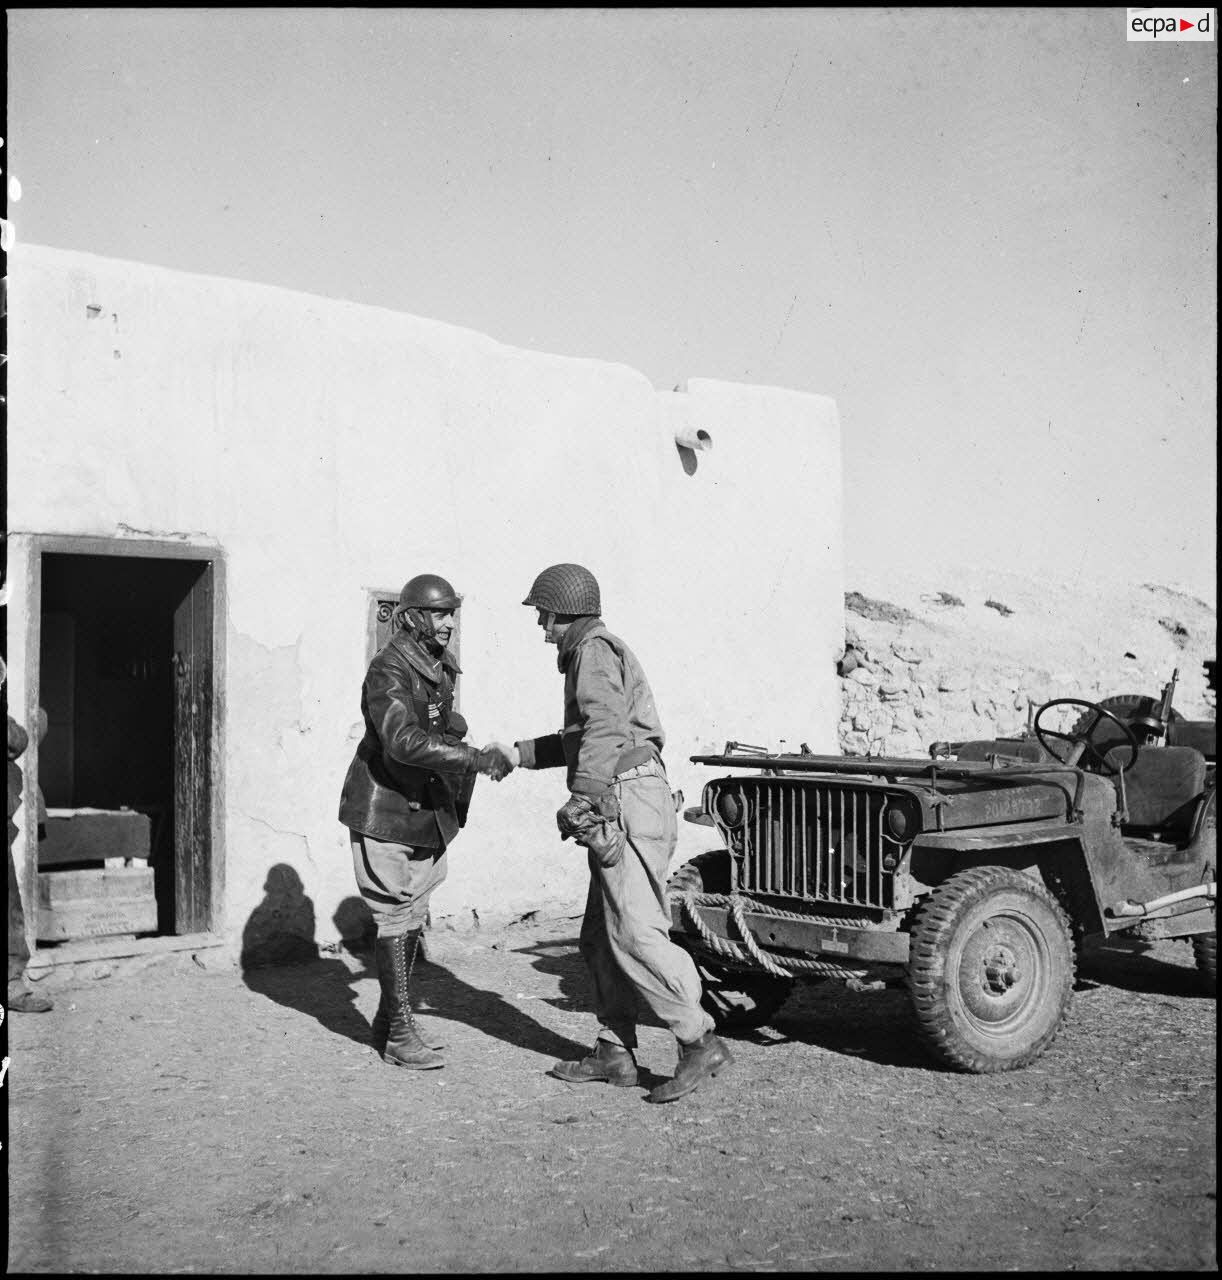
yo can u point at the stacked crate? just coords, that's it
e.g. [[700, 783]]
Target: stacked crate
[[94, 878]]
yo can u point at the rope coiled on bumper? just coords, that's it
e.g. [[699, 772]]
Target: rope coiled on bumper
[[750, 949]]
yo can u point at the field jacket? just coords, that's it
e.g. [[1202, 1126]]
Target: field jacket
[[411, 779], [610, 721]]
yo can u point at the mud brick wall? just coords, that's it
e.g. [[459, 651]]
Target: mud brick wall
[[966, 660]]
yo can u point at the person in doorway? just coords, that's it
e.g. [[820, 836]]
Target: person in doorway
[[20, 998], [620, 807], [406, 796]]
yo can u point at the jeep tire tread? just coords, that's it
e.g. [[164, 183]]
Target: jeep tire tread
[[991, 969], [705, 873]]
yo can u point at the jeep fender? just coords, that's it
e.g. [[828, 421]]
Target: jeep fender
[[1054, 856]]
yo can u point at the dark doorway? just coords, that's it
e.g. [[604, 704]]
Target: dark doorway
[[126, 679]]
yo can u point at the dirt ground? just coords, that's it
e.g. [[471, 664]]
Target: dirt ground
[[196, 1119]]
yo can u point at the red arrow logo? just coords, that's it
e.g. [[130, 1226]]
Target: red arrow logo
[[1186, 26]]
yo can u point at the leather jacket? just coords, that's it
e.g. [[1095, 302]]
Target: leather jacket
[[411, 779]]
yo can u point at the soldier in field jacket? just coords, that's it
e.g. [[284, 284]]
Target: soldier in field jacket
[[620, 807]]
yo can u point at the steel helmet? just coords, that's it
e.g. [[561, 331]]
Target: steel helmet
[[428, 591], [565, 588]]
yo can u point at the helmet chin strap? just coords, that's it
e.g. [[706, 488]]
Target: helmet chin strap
[[421, 623]]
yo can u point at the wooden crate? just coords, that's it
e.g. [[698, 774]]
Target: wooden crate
[[95, 903], [108, 836]]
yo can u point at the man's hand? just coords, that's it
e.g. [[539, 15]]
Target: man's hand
[[574, 817], [497, 761]]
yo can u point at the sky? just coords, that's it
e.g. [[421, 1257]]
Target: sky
[[990, 234]]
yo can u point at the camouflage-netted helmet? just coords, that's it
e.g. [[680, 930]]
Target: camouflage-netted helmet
[[565, 588], [428, 591]]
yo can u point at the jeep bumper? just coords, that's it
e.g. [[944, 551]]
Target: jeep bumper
[[777, 935]]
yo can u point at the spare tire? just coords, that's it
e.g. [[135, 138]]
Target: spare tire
[[1124, 706]]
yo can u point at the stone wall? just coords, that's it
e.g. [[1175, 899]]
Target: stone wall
[[970, 653]]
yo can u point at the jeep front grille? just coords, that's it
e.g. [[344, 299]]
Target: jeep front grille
[[810, 840]]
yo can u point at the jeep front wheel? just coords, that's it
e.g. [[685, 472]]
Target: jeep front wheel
[[990, 970]]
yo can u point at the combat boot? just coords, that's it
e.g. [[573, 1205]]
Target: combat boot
[[609, 1063], [404, 1046], [698, 1061]]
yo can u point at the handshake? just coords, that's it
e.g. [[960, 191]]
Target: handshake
[[497, 761]]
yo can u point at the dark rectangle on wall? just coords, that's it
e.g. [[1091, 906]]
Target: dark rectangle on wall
[[193, 711]]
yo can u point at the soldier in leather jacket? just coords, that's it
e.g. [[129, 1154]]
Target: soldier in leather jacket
[[406, 796]]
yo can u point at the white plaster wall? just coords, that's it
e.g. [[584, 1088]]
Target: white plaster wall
[[330, 449]]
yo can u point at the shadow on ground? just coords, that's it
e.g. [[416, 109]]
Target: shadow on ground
[[875, 1025], [560, 958], [1126, 964], [444, 995], [282, 965]]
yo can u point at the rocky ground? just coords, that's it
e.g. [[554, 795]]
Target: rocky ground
[[191, 1119]]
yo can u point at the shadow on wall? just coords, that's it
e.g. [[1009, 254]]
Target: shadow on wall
[[279, 938], [281, 928]]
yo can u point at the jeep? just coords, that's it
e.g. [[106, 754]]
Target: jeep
[[972, 877]]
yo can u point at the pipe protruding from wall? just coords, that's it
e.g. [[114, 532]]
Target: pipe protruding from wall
[[694, 438]]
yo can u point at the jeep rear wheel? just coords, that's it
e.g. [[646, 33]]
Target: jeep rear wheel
[[990, 970], [741, 1001], [1205, 953], [736, 1001]]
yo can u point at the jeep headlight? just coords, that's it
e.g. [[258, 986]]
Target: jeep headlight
[[730, 809], [901, 820]]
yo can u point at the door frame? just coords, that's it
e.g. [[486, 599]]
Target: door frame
[[199, 896]]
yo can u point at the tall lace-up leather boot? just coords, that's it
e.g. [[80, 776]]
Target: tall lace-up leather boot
[[380, 1026], [404, 1045]]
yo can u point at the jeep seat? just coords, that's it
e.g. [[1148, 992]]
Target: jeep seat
[[1161, 790]]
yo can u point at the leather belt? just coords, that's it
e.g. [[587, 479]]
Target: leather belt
[[651, 768]]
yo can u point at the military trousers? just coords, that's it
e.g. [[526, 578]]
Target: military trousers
[[396, 881], [18, 948], [625, 935]]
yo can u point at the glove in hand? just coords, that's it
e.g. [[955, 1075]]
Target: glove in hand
[[575, 815], [593, 823]]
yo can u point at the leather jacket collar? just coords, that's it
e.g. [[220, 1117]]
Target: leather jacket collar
[[571, 640], [423, 661]]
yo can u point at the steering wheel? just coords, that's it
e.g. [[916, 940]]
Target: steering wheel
[[1081, 739]]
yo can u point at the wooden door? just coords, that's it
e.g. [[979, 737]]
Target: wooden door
[[193, 775]]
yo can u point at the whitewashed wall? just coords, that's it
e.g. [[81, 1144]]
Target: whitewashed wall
[[329, 448]]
